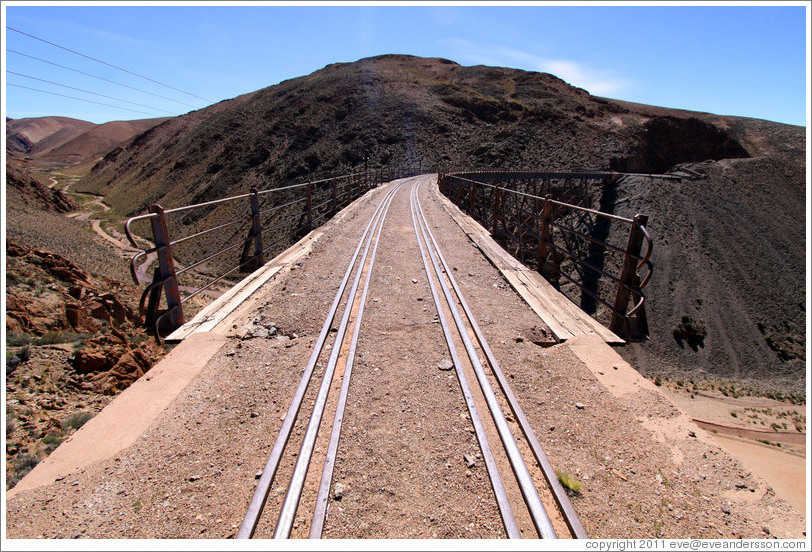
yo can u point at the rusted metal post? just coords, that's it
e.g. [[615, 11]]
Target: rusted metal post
[[545, 232], [333, 206], [166, 266], [628, 276], [255, 237], [497, 209], [309, 206]]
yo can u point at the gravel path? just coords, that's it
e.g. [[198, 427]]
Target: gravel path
[[400, 463]]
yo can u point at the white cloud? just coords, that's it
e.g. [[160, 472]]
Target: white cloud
[[600, 82]]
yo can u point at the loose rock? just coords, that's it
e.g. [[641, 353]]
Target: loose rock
[[445, 365]]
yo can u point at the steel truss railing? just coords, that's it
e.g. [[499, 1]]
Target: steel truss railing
[[285, 212], [565, 239]]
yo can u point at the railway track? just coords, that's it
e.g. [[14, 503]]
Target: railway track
[[530, 500]]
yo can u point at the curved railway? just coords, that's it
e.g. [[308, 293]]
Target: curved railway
[[527, 493]]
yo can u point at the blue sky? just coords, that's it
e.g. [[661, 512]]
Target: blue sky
[[747, 60]]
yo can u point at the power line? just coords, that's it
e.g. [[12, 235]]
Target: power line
[[88, 92], [100, 78], [106, 63], [80, 99]]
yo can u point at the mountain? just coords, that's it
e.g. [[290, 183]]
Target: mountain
[[385, 110], [98, 141], [61, 141], [729, 244], [32, 136]]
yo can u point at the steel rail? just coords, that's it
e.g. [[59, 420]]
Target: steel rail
[[320, 509], [218, 201], [281, 222], [260, 496], [283, 238], [212, 229], [321, 204], [578, 175], [528, 488], [133, 269], [128, 231], [303, 184], [590, 266], [587, 237], [553, 201], [278, 207], [570, 515], [287, 514], [502, 500], [209, 257], [637, 290]]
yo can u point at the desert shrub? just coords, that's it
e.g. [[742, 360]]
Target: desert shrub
[[50, 337], [12, 361], [25, 464], [75, 421], [569, 482], [17, 339], [24, 354], [22, 466], [52, 440], [691, 331]]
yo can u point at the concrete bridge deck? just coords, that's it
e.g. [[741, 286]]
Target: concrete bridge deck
[[177, 453]]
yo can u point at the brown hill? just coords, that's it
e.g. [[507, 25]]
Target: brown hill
[[31, 190], [98, 141], [35, 135], [61, 141], [729, 245]]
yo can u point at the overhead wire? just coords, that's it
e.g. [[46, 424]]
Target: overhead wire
[[108, 64], [86, 91], [100, 78], [77, 98], [212, 123], [207, 123]]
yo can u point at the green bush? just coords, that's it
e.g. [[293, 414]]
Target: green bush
[[17, 339], [24, 354], [52, 440], [75, 421], [50, 337], [691, 331], [22, 466], [569, 482]]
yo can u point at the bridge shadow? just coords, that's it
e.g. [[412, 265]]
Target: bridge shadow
[[596, 253]]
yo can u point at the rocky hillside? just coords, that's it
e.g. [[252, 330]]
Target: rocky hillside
[[430, 113], [73, 335]]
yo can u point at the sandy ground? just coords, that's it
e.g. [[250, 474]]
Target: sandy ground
[[645, 469], [784, 467]]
